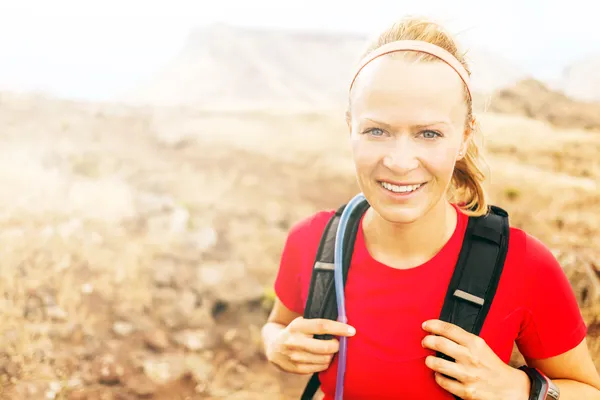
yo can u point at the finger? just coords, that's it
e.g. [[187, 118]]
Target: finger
[[300, 357], [448, 330], [315, 346], [446, 346], [446, 367], [318, 326], [310, 368], [456, 388]]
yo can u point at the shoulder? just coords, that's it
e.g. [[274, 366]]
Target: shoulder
[[296, 261], [310, 227], [532, 253], [536, 268]]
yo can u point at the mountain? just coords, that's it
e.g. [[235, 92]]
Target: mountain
[[228, 67], [534, 99]]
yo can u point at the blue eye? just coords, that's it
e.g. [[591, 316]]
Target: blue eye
[[430, 134], [374, 132]]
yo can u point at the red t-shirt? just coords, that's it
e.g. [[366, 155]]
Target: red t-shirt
[[534, 306]]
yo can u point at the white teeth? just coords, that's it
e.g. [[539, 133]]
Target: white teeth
[[400, 189]]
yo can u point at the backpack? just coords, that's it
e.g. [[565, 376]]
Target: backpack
[[469, 295]]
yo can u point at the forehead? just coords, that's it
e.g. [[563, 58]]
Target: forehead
[[394, 87]]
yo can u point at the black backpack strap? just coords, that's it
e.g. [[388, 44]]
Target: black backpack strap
[[321, 301], [477, 273], [311, 387]]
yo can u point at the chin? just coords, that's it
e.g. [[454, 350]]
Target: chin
[[400, 214], [399, 210]]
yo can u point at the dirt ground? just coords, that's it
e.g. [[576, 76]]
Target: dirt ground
[[140, 246]]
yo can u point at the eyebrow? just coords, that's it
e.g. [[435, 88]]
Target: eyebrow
[[420, 126]]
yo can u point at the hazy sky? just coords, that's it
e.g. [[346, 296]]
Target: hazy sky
[[98, 49]]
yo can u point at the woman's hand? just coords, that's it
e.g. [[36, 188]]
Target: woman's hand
[[294, 349], [480, 374]]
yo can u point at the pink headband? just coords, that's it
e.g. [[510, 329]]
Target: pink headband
[[420, 46]]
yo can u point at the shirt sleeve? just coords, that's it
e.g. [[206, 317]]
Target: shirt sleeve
[[553, 322], [288, 280]]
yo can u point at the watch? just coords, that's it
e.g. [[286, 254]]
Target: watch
[[542, 387]]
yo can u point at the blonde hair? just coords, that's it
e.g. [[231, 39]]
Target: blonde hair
[[466, 188]]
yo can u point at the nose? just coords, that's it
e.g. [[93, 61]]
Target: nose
[[401, 157]]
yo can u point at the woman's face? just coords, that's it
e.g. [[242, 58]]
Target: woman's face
[[407, 129]]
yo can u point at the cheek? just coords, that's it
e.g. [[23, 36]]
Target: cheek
[[440, 162], [365, 157]]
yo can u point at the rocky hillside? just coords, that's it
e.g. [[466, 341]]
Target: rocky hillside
[[533, 99]]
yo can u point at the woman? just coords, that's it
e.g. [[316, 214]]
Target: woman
[[414, 145]]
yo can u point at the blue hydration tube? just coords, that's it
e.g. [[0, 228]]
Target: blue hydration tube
[[339, 290]]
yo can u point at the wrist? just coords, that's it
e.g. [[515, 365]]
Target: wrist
[[541, 387], [522, 385]]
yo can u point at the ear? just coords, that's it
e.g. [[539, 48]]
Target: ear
[[349, 121], [470, 128], [468, 135]]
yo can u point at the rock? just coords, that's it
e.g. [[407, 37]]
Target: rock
[[210, 275], [173, 310], [229, 282], [179, 222], [157, 340], [230, 335], [87, 288], [29, 390], [200, 367], [122, 328], [150, 203], [165, 296], [135, 318], [165, 368], [164, 273], [88, 377], [183, 312], [187, 302], [12, 336], [74, 383], [194, 340], [56, 313], [172, 316], [201, 317], [9, 368], [108, 370], [203, 239], [54, 388], [64, 331], [141, 385], [34, 309], [275, 214]]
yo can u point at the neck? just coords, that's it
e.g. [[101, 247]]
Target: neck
[[407, 245]]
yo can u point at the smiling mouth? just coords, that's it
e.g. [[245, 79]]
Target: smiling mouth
[[401, 188]]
